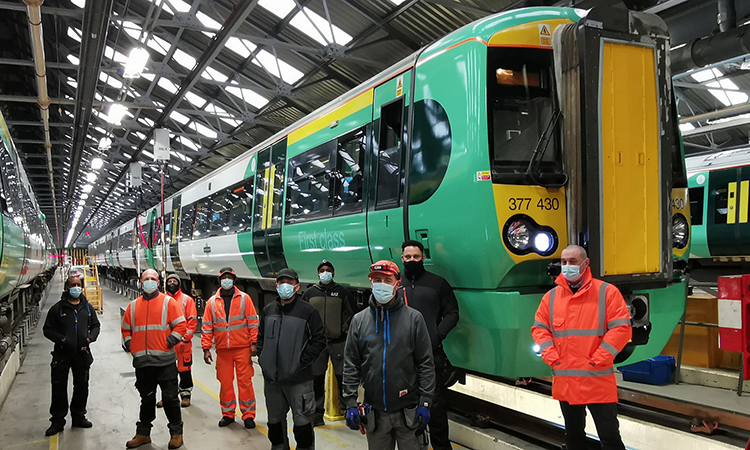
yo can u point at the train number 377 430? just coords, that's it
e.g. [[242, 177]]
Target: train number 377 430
[[524, 203]]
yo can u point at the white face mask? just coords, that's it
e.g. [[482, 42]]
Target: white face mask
[[383, 292], [325, 277], [571, 272]]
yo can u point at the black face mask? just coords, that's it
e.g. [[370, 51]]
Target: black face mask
[[414, 266], [173, 288]]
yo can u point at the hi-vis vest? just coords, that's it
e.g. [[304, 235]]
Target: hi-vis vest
[[239, 330], [146, 325], [191, 314], [579, 336]]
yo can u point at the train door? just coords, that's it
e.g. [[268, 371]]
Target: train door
[[727, 216], [385, 216], [268, 215], [174, 247]]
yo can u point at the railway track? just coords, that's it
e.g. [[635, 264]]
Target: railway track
[[733, 428]]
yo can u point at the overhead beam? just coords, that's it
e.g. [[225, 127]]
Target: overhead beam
[[232, 23], [697, 131], [18, 6], [95, 26]]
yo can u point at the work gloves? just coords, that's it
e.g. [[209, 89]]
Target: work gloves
[[423, 413], [353, 419]]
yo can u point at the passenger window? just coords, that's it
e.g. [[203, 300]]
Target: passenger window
[[349, 162], [240, 196], [262, 189], [309, 184], [219, 213], [696, 205], [720, 206], [202, 218], [168, 228], [187, 222], [389, 155]]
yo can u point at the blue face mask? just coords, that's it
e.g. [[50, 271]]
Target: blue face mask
[[571, 272], [75, 291], [325, 277], [227, 283], [383, 292], [150, 286], [285, 291]]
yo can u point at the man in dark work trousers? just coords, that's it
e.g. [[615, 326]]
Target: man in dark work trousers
[[431, 295]]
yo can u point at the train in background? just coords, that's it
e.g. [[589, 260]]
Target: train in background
[[719, 191], [484, 150], [28, 254]]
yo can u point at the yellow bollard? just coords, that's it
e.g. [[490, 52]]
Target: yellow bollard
[[333, 412]]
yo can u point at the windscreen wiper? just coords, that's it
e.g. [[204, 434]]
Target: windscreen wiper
[[541, 147]]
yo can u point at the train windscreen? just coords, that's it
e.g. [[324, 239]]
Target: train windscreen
[[523, 134]]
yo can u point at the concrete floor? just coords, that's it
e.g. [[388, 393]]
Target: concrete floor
[[113, 401]]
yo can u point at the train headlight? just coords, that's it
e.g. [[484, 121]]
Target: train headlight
[[522, 235], [518, 235], [543, 242], [680, 231]]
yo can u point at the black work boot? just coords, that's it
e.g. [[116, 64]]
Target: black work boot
[[226, 421], [54, 428], [81, 422]]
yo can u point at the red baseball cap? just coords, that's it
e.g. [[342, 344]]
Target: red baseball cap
[[385, 267]]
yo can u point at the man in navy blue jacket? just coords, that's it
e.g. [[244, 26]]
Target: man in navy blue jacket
[[72, 325]]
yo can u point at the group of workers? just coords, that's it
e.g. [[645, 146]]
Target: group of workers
[[391, 346]]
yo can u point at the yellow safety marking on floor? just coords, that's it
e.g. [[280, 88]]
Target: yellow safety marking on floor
[[52, 442], [263, 430], [333, 439], [330, 427]]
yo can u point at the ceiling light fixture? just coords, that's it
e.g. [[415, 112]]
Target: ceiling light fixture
[[87, 188], [116, 113], [105, 143], [136, 63], [91, 177], [97, 163]]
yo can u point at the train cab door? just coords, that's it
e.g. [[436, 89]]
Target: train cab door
[[269, 206], [728, 214], [385, 215]]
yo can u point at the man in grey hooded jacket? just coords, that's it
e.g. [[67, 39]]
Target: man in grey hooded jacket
[[388, 351]]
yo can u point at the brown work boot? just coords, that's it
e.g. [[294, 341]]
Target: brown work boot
[[175, 442], [138, 440], [185, 402], [160, 404]]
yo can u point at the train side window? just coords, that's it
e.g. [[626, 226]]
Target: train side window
[[696, 205], [310, 183], [240, 196], [389, 155], [219, 213], [348, 176], [168, 228], [202, 218], [721, 196], [187, 222]]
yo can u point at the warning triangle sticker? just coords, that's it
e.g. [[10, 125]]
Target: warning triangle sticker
[[544, 31]]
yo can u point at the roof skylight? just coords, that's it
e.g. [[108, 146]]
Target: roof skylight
[[183, 59], [242, 47], [288, 73], [203, 130], [158, 44], [195, 99], [110, 80], [313, 25], [74, 33], [167, 85], [279, 8], [247, 95], [212, 74], [179, 117], [73, 59]]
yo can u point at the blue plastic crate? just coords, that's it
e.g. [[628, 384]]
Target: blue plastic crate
[[655, 371]]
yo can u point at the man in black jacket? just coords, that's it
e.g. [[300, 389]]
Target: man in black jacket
[[290, 338], [388, 352], [431, 295], [334, 304], [72, 325]]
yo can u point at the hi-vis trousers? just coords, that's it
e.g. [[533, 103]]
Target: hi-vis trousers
[[227, 361]]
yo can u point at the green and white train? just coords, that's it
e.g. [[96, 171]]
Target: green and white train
[[480, 149], [27, 251]]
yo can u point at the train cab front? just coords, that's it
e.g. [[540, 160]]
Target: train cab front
[[584, 149]]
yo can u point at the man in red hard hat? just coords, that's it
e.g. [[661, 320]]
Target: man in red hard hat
[[389, 352], [580, 326]]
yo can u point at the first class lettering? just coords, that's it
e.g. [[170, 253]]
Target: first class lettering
[[324, 240]]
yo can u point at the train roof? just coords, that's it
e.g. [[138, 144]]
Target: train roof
[[716, 161]]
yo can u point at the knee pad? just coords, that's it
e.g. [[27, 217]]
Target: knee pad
[[276, 433], [304, 436]]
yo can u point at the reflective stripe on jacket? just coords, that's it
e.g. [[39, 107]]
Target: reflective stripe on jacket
[[239, 330], [190, 311], [579, 336], [147, 324]]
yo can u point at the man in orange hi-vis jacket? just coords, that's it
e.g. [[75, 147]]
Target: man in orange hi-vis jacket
[[151, 326], [230, 322], [580, 326], [184, 349]]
